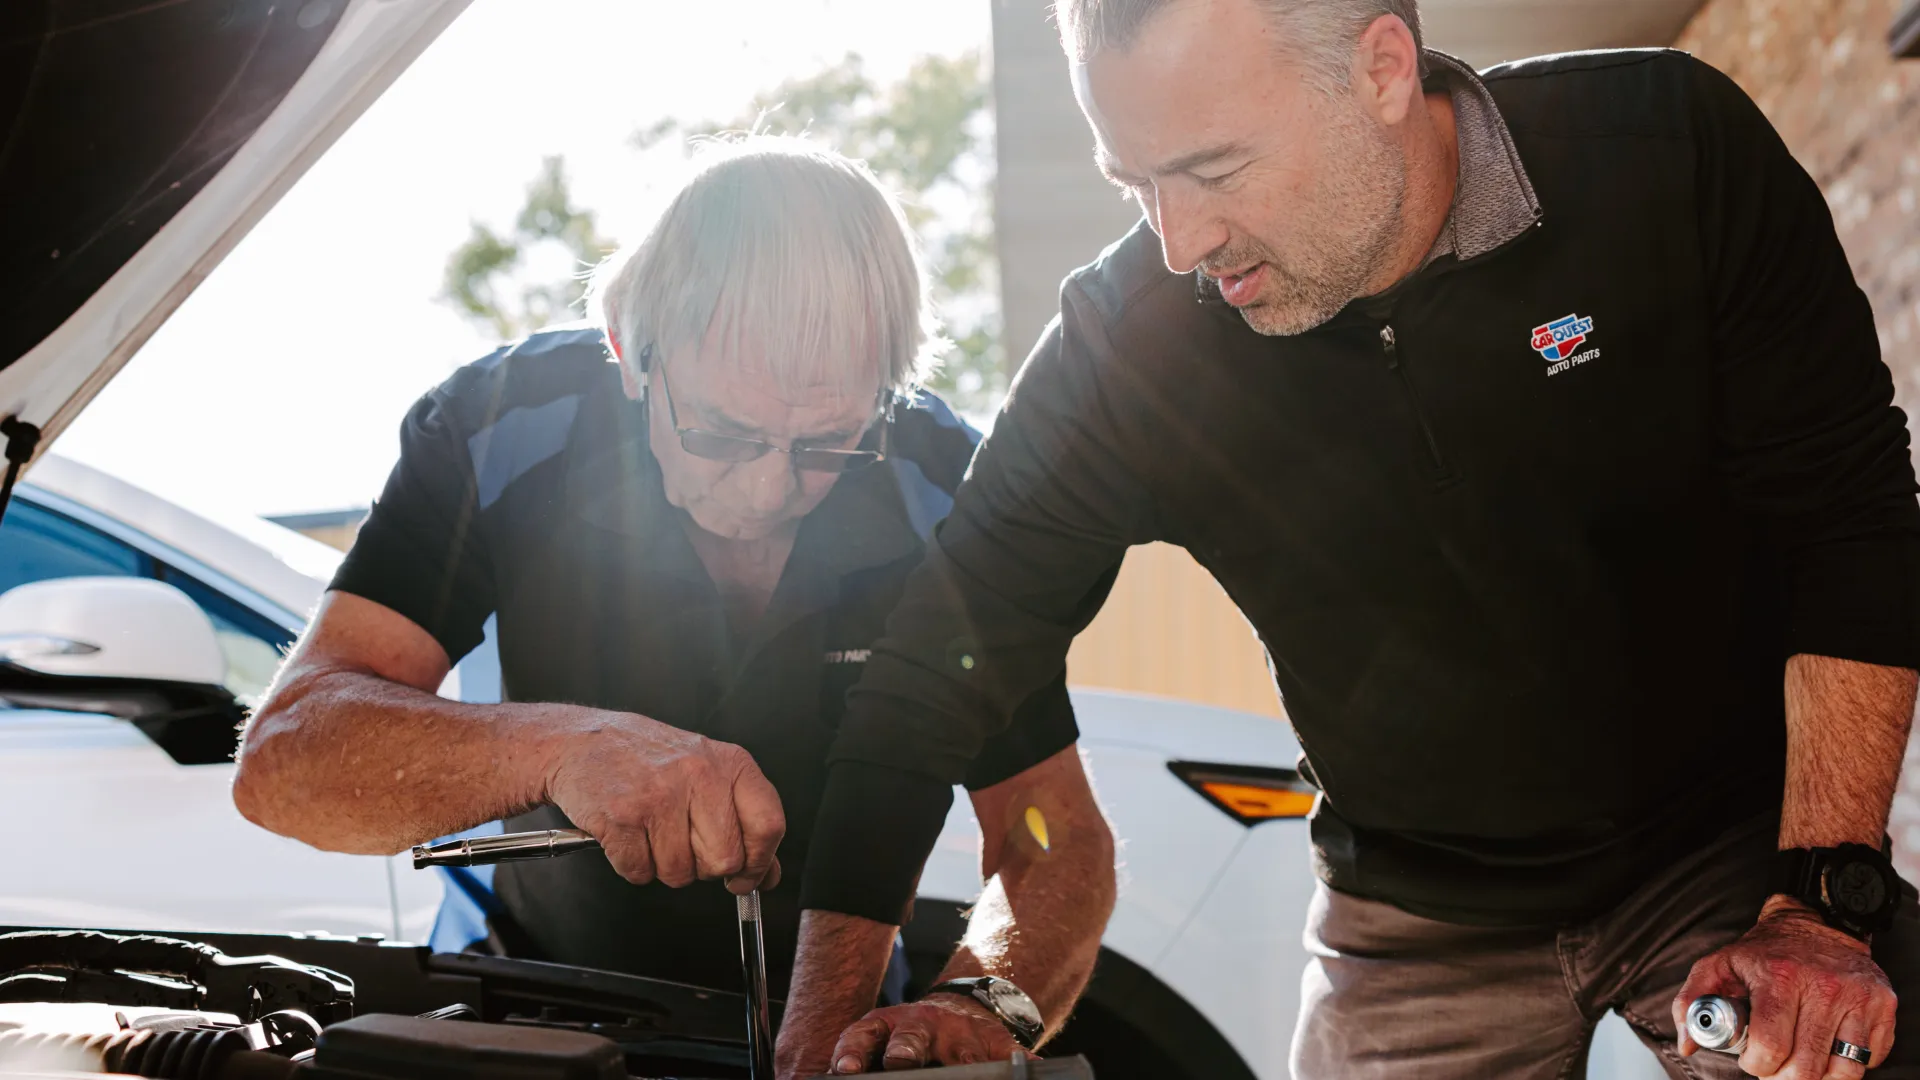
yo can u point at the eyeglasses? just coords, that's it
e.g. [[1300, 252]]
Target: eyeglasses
[[738, 449]]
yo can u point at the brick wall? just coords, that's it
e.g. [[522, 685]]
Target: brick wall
[[1821, 71]]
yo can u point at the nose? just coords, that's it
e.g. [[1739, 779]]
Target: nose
[[1188, 232], [768, 484]]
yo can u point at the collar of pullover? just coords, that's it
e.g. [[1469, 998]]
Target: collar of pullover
[[1493, 202]]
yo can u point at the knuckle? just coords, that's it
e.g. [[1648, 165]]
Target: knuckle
[[1823, 988], [725, 756], [637, 871], [862, 1033], [1762, 1057]]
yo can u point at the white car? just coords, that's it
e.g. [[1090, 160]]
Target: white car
[[83, 777], [150, 627], [1214, 866]]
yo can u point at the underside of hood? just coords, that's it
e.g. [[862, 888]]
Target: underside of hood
[[140, 140]]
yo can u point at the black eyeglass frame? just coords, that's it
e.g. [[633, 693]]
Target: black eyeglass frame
[[739, 449]]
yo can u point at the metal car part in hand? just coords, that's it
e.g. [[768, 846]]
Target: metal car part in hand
[[506, 847], [1718, 1023]]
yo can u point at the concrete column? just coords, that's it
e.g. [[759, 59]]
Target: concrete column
[[1052, 209]]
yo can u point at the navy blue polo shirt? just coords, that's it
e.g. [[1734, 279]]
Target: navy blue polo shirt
[[526, 491]]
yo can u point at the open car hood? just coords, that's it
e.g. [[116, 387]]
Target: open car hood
[[140, 140]]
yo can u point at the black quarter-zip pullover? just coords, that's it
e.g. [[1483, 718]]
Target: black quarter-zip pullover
[[1528, 538]]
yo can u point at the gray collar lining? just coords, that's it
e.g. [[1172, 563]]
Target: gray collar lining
[[1494, 201]]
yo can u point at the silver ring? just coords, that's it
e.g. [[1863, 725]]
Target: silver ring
[[1845, 1049]]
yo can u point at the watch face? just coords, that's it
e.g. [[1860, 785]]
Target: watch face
[[1013, 1003], [1857, 888]]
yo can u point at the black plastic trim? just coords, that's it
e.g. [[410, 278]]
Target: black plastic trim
[[195, 723]]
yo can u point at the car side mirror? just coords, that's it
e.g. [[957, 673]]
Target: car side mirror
[[127, 647], [109, 627]]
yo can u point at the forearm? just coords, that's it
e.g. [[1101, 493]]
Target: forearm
[[349, 761], [1847, 726], [837, 970], [1038, 924]]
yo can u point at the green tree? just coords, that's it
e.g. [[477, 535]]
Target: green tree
[[929, 135], [484, 278]]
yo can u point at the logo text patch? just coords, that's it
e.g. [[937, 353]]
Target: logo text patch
[[1557, 341]]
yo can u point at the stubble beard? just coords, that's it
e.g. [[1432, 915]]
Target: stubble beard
[[1345, 238]]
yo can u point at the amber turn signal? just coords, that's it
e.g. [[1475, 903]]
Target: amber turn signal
[[1249, 794], [1249, 801]]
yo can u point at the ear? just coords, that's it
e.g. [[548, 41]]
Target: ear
[[636, 390], [1387, 70]]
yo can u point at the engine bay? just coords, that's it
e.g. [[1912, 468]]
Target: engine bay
[[323, 1007]]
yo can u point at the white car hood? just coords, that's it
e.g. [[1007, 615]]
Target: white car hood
[[371, 43]]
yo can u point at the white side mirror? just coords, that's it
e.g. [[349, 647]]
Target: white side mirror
[[116, 627]]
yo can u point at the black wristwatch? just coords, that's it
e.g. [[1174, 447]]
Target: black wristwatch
[[1005, 1001], [1852, 886]]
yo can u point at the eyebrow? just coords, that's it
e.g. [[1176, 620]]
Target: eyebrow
[[1111, 168], [718, 417], [721, 421]]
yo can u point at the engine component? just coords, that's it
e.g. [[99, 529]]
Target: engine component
[[170, 1047], [380, 1046], [86, 965]]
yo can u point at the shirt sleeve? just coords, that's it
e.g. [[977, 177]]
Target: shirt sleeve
[[1042, 726], [1811, 443], [1021, 564], [419, 551]]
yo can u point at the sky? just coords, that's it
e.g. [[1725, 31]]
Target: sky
[[279, 385]]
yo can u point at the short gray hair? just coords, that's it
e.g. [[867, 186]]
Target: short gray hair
[[786, 249], [1322, 33]]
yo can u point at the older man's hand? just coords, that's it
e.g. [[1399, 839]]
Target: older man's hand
[[940, 1029], [669, 805], [1807, 984]]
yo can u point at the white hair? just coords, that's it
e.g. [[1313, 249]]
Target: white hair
[[1321, 33], [795, 256]]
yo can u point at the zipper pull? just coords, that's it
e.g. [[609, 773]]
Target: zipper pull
[[1388, 344]]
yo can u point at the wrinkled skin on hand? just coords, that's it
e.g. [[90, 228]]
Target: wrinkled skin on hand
[[1806, 984], [941, 1029], [669, 805]]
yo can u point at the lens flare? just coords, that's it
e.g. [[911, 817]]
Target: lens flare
[[1037, 825]]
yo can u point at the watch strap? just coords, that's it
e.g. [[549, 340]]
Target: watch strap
[[975, 987], [1803, 873], [1796, 873]]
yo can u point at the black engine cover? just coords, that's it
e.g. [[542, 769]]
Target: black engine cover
[[381, 1046]]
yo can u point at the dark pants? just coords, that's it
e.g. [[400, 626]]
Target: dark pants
[[1389, 994]]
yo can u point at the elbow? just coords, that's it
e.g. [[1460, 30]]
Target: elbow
[[257, 785], [266, 784]]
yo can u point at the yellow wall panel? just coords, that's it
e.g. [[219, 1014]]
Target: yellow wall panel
[[1169, 629]]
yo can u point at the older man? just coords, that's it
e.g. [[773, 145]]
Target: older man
[[1536, 422], [689, 553]]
